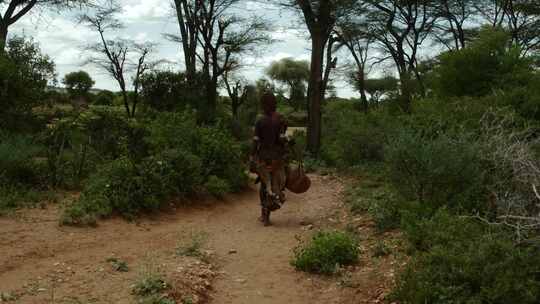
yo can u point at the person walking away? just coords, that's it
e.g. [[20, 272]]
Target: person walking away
[[268, 157]]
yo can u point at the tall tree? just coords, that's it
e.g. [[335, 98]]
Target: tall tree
[[320, 17], [400, 28], [14, 10], [454, 25], [352, 35], [187, 13], [294, 74], [113, 55], [222, 36], [523, 19]]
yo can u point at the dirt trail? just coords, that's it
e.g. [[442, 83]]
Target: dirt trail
[[51, 264]]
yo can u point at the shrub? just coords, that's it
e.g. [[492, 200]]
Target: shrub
[[219, 152], [13, 197], [385, 212], [488, 63], [104, 98], [326, 252], [18, 165], [351, 137], [437, 171], [78, 84], [379, 202], [465, 263], [170, 91], [24, 75], [119, 186], [217, 186]]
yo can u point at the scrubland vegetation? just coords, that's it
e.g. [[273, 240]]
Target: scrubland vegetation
[[449, 148]]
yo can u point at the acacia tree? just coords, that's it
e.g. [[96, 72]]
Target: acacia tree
[[353, 36], [14, 10], [187, 13], [523, 19], [378, 88], [520, 17], [237, 91], [114, 55], [452, 29], [78, 83], [294, 74], [320, 17], [216, 36], [400, 28]]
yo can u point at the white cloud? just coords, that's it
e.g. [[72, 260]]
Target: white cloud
[[62, 38], [144, 10]]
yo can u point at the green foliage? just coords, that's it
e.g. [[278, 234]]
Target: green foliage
[[192, 245], [118, 265], [217, 186], [378, 88], [150, 284], [490, 62], [78, 83], [104, 98], [350, 137], [441, 171], [24, 75], [169, 156], [16, 196], [215, 147], [379, 202], [293, 74], [168, 91], [326, 252], [18, 165], [466, 264]]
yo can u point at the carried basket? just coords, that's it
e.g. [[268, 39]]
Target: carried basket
[[297, 180]]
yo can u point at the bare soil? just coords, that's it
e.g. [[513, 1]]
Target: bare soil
[[42, 262]]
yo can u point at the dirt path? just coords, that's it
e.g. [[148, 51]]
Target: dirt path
[[45, 263]]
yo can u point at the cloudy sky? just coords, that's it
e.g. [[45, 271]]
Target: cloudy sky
[[62, 38]]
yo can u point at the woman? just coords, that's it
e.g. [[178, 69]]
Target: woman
[[268, 156]]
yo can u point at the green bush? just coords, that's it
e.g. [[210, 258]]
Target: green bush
[[385, 213], [18, 164], [326, 252], [104, 98], [169, 156], [441, 171], [351, 137], [464, 263], [170, 91], [24, 75], [219, 152], [217, 186], [379, 202], [488, 63], [13, 197]]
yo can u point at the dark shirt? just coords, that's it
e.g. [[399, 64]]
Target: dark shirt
[[269, 129]]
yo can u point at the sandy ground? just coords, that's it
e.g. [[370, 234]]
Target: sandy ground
[[45, 263]]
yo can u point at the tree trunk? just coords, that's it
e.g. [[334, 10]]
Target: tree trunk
[[3, 36], [315, 93], [362, 89], [209, 109], [406, 94], [188, 40]]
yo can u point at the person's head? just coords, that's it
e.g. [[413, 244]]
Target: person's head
[[269, 103]]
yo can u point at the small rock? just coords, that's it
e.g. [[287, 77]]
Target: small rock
[[310, 227], [233, 251], [241, 281], [42, 290]]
